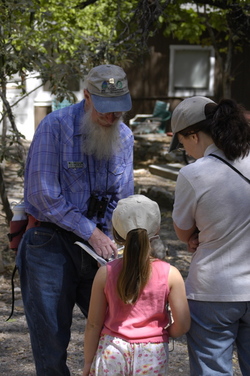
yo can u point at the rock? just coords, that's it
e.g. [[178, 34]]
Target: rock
[[162, 196]]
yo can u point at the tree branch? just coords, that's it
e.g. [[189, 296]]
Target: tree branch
[[86, 3], [238, 17]]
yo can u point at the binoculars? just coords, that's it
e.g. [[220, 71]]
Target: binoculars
[[97, 206]]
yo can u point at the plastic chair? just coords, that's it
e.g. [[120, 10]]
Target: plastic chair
[[152, 123], [56, 105]]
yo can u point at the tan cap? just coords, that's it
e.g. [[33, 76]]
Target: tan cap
[[108, 87], [136, 211], [188, 112]]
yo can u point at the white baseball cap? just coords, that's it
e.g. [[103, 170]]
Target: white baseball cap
[[108, 87], [134, 212], [188, 112]]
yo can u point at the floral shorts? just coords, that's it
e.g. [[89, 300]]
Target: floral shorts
[[116, 357]]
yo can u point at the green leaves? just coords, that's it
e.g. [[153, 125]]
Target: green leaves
[[47, 35]]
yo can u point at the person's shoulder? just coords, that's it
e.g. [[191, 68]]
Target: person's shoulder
[[68, 111], [125, 130], [57, 116], [174, 275], [196, 168], [113, 267], [101, 272], [161, 265], [66, 119], [161, 262], [173, 269], [116, 263]]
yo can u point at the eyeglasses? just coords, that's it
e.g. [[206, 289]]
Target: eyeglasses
[[185, 134], [104, 114], [180, 146]]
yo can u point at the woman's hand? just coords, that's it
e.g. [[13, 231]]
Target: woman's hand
[[193, 242]]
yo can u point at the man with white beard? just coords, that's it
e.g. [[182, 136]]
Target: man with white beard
[[80, 164], [102, 140]]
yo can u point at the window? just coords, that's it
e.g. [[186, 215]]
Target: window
[[191, 71]]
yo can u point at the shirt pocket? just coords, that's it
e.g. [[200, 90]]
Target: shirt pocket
[[74, 179], [116, 168], [116, 173]]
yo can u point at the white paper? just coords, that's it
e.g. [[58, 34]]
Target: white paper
[[92, 253]]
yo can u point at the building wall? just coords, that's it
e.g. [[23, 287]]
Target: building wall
[[149, 78], [241, 78], [31, 110]]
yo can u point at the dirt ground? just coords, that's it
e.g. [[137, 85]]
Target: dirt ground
[[15, 350]]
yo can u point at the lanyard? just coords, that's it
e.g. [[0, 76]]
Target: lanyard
[[232, 167]]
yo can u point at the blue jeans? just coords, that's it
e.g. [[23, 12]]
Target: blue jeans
[[55, 275], [215, 328]]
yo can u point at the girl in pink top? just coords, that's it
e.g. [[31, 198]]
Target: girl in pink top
[[128, 324]]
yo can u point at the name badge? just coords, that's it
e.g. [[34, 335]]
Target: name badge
[[75, 164]]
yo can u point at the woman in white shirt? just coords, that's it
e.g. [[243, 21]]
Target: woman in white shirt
[[212, 215]]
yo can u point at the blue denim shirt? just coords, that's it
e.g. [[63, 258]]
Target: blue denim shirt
[[59, 177]]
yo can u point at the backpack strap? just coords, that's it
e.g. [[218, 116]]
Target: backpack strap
[[232, 167], [13, 292]]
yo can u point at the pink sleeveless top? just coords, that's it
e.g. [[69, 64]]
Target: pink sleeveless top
[[145, 320]]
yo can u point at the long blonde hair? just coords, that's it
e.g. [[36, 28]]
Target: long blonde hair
[[136, 266]]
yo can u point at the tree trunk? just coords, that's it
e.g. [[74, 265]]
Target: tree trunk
[[227, 70], [3, 194], [4, 122], [4, 147]]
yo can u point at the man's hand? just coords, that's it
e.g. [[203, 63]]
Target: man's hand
[[103, 245], [193, 242]]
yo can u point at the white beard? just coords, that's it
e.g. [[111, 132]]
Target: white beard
[[102, 142]]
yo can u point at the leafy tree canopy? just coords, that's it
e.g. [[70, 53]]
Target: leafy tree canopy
[[188, 20], [62, 38], [59, 38]]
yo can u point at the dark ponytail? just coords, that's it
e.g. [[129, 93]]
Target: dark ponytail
[[229, 129]]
